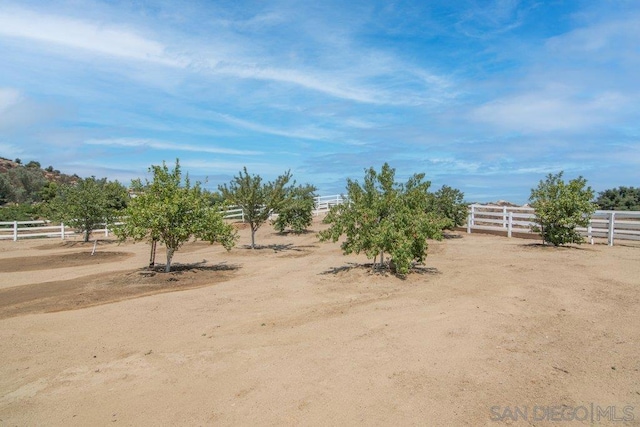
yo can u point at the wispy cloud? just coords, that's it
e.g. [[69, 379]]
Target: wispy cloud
[[8, 98], [486, 95], [490, 18], [550, 111], [161, 145], [81, 34], [312, 132], [348, 83]]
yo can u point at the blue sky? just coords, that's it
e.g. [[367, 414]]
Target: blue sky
[[485, 96]]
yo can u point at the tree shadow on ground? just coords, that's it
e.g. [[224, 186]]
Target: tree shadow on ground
[[383, 271], [178, 268], [293, 233], [549, 246], [67, 244], [451, 236], [281, 247]]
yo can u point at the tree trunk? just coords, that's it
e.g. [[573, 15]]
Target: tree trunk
[[167, 268], [253, 238], [86, 236], [381, 260], [152, 255]]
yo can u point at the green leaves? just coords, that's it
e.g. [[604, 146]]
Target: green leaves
[[171, 211], [448, 203], [256, 199], [383, 216], [296, 211], [560, 208], [87, 204], [619, 199]]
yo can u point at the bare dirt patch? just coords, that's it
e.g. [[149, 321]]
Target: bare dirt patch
[[77, 244], [107, 288], [295, 333], [47, 262]]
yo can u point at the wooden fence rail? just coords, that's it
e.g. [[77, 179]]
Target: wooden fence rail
[[612, 225], [14, 230]]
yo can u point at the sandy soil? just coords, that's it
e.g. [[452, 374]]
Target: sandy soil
[[295, 333]]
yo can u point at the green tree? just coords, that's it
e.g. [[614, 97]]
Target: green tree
[[49, 191], [297, 210], [619, 199], [172, 211], [6, 189], [449, 203], [85, 205], [257, 199], [21, 185], [22, 212], [560, 208], [382, 216]]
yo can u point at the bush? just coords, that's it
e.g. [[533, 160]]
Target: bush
[[85, 205], [297, 210], [22, 212], [619, 199], [449, 204], [560, 208], [383, 216]]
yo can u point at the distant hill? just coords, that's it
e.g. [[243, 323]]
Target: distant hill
[[22, 183]]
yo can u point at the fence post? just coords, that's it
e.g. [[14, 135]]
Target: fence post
[[590, 232], [510, 224], [612, 219], [469, 223], [473, 215], [504, 217], [15, 231], [62, 230]]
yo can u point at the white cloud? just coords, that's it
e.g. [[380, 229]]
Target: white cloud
[[312, 132], [237, 57], [605, 38], [205, 166], [8, 98], [90, 36], [161, 145], [548, 111]]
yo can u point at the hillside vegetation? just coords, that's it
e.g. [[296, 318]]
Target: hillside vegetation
[[24, 183]]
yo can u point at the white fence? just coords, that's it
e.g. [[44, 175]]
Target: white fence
[[15, 230], [324, 203], [235, 213], [612, 225]]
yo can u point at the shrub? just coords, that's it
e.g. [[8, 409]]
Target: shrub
[[382, 216], [297, 210], [560, 208]]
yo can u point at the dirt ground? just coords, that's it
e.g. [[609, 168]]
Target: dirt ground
[[490, 331]]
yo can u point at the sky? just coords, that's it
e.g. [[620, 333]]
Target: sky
[[485, 96]]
